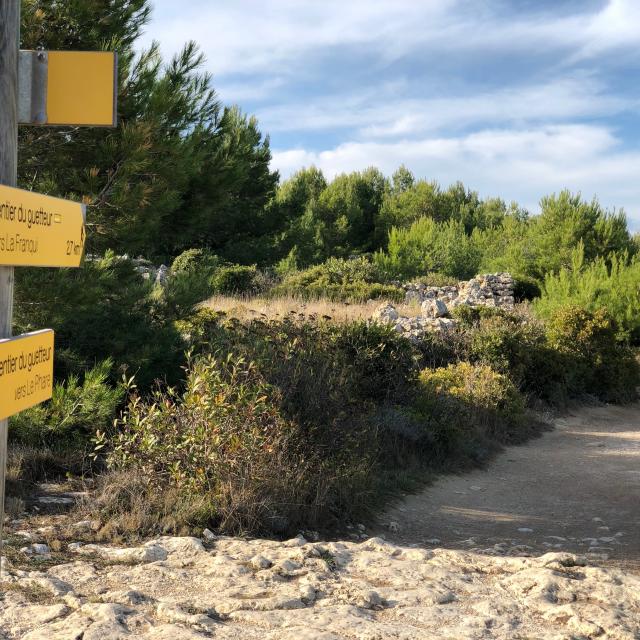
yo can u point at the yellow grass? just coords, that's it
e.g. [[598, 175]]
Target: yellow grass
[[244, 308]]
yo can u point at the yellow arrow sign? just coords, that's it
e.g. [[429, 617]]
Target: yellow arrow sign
[[40, 231], [26, 371]]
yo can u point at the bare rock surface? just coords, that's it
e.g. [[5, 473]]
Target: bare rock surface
[[258, 589]]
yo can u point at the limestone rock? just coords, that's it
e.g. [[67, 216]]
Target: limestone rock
[[295, 590], [434, 308], [386, 312]]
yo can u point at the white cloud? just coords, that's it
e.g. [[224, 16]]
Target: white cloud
[[246, 35], [284, 36], [521, 165], [380, 112]]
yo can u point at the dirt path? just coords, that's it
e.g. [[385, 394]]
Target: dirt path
[[577, 489]]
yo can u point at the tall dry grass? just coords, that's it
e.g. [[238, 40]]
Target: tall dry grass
[[250, 308]]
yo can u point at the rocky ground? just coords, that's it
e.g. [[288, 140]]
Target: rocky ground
[[540, 545], [179, 588]]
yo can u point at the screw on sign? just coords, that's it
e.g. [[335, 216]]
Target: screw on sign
[[39, 88]]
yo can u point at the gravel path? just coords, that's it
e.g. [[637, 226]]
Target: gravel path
[[576, 488]]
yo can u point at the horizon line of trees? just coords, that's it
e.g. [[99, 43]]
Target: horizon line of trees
[[183, 171]]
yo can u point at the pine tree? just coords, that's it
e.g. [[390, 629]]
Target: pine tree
[[176, 170]]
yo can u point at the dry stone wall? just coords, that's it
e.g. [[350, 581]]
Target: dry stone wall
[[488, 290], [494, 290]]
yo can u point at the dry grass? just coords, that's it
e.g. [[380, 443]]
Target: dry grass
[[32, 592], [251, 308]]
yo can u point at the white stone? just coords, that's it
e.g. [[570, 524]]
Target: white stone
[[327, 591], [36, 549], [434, 309]]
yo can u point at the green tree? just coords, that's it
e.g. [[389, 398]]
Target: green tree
[[428, 246], [334, 219], [173, 140]]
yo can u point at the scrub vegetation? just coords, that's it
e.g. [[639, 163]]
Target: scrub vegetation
[[247, 390]]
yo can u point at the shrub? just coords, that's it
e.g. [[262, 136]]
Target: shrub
[[467, 406], [188, 283], [526, 289], [476, 385], [612, 284], [195, 260], [74, 412], [429, 246], [235, 279], [226, 439], [104, 310], [514, 344], [322, 369], [182, 291], [353, 280], [596, 362]]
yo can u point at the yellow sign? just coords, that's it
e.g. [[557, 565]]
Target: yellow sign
[[26, 371], [40, 231], [81, 88]]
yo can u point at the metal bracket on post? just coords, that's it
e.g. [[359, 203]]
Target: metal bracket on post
[[33, 69]]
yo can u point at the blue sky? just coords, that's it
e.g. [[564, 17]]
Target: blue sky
[[516, 98]]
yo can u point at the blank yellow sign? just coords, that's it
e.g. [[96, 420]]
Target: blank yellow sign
[[81, 88], [40, 231], [26, 371]]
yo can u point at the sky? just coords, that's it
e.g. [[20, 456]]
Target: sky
[[516, 98]]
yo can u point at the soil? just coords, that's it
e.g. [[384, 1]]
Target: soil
[[576, 489]]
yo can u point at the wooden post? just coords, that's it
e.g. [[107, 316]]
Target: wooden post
[[9, 46]]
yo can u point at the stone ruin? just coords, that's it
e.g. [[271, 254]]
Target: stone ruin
[[488, 290], [493, 290]]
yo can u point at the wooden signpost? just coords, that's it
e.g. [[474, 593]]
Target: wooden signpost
[[56, 88]]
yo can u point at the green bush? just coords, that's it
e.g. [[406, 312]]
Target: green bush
[[612, 284], [195, 260], [596, 362], [513, 344], [476, 385], [338, 279], [427, 245], [103, 310], [74, 412], [188, 282], [325, 372], [182, 291], [226, 439], [235, 279], [467, 407], [534, 247]]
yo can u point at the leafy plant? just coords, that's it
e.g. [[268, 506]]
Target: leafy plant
[[597, 363], [469, 408], [74, 412], [349, 280], [235, 279], [103, 310], [427, 245], [612, 284]]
